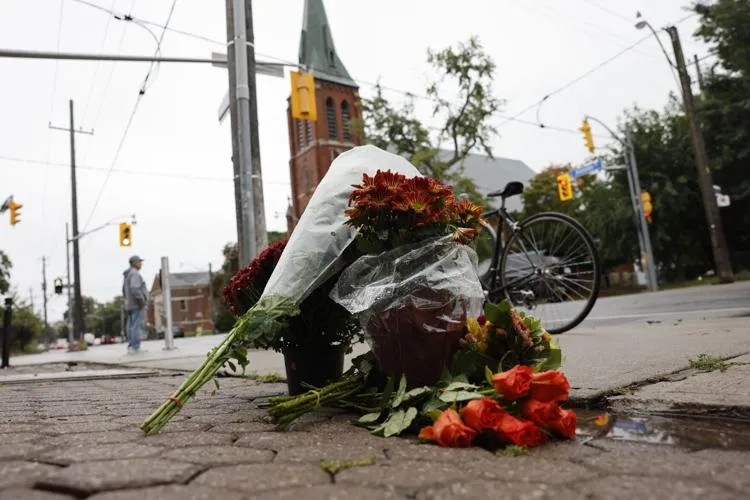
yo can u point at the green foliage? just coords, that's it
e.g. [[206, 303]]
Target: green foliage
[[466, 72], [708, 363], [5, 266], [26, 327]]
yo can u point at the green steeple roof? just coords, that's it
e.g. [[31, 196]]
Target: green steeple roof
[[316, 49]]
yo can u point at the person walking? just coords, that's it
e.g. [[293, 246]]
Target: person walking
[[135, 297]]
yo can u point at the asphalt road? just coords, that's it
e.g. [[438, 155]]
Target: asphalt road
[[710, 301], [612, 316]]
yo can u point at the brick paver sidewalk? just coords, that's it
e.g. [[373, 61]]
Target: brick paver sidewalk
[[81, 440]]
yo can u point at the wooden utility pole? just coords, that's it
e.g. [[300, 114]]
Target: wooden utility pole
[[705, 179], [78, 323]]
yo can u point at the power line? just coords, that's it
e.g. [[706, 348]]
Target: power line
[[610, 11], [168, 175], [129, 123], [51, 111], [586, 74], [98, 67]]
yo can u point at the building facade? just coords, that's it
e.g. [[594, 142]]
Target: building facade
[[191, 302], [315, 144]]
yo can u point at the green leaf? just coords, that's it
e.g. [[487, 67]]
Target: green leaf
[[488, 374], [397, 423], [416, 393], [369, 418], [399, 397], [553, 360], [498, 314], [458, 396], [216, 383], [231, 366], [434, 404], [387, 393], [456, 386]]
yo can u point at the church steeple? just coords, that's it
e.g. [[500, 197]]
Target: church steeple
[[317, 52], [314, 145]]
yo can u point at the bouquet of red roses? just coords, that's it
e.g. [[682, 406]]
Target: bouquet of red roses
[[522, 410]]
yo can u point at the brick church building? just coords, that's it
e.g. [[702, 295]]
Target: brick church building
[[314, 145]]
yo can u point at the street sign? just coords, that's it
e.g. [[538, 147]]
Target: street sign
[[588, 168], [722, 200], [261, 68]]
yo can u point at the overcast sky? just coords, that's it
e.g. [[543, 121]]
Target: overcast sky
[[177, 156]]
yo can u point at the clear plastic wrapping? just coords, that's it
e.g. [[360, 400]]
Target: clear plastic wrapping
[[313, 253], [413, 303]]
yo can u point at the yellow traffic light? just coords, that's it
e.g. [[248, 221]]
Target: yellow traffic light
[[587, 138], [125, 236], [564, 187], [303, 96], [648, 207], [14, 212]]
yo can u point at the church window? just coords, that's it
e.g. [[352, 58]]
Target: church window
[[331, 116], [346, 121]]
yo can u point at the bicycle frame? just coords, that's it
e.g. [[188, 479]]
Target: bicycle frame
[[505, 221]]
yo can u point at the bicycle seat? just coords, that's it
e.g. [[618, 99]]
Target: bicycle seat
[[510, 189]]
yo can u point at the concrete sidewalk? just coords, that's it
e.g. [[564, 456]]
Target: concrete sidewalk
[[81, 440]]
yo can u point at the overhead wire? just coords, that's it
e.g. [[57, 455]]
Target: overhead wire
[[168, 175], [141, 93], [51, 111], [98, 67]]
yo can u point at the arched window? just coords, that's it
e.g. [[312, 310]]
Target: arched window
[[308, 131], [346, 121], [333, 132]]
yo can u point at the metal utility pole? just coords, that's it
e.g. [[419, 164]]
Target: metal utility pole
[[44, 297], [7, 321], [645, 234], [634, 187], [78, 324], [705, 179], [166, 293], [248, 188]]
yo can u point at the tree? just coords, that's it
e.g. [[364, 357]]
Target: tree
[[724, 110], [26, 326], [5, 266], [465, 71], [679, 234], [603, 208]]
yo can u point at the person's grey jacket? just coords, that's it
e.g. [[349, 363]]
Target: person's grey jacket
[[134, 290]]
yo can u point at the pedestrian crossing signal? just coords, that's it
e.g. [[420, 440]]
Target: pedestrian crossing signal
[[58, 286], [125, 236], [564, 187], [303, 96]]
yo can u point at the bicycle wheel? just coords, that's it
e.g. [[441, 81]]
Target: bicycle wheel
[[550, 268]]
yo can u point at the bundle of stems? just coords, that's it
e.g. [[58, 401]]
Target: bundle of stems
[[256, 328], [286, 409]]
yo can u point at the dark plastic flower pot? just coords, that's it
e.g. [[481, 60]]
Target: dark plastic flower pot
[[316, 366]]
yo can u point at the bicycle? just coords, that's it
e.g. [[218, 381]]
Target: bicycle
[[538, 276]]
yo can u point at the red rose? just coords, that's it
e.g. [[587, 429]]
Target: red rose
[[514, 383], [482, 414], [551, 385], [543, 414], [565, 424], [448, 430], [511, 430]]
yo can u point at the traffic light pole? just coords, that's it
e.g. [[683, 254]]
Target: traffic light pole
[[650, 266], [705, 181], [634, 187], [67, 264]]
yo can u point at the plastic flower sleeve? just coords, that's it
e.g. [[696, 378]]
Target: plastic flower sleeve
[[413, 303], [313, 252]]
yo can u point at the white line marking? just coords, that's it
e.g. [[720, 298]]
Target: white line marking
[[671, 313]]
